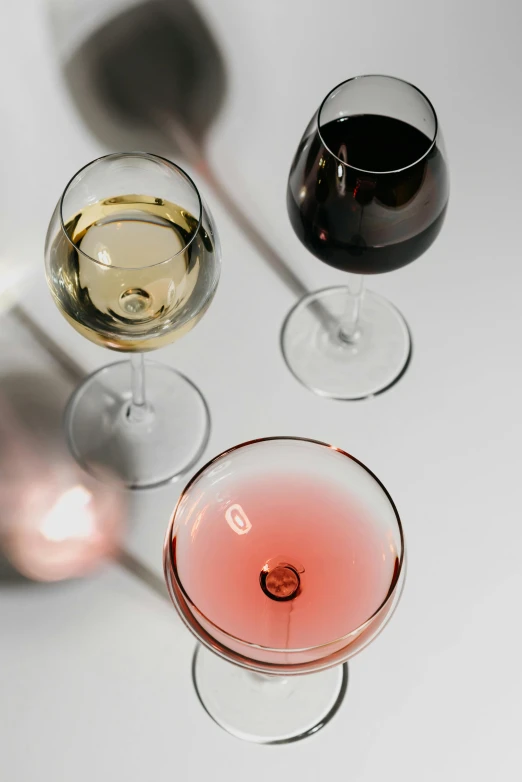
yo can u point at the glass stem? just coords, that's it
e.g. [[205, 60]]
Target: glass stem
[[138, 409], [348, 327], [266, 679]]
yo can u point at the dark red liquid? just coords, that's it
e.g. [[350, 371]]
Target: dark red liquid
[[351, 216]]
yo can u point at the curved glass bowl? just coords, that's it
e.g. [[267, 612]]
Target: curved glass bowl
[[133, 261], [215, 577], [367, 194]]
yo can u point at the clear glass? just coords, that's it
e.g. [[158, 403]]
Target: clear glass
[[133, 262], [284, 556], [367, 194]]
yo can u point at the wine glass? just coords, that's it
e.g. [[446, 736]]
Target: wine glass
[[284, 556], [133, 262], [367, 194]]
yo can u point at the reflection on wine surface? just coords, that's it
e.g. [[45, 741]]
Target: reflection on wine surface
[[132, 272], [284, 556], [356, 201]]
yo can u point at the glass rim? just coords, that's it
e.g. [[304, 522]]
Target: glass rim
[[390, 78], [170, 569], [146, 156]]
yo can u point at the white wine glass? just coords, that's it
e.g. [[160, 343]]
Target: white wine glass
[[133, 261]]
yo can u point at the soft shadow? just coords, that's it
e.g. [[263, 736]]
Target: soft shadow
[[10, 577], [55, 521], [153, 78], [32, 443], [37, 401], [154, 60], [31, 407]]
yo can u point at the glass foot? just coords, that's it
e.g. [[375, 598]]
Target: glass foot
[[267, 709], [329, 366], [166, 443]]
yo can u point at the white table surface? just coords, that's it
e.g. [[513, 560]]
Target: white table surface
[[95, 675]]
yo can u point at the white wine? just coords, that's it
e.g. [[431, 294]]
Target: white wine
[[133, 273]]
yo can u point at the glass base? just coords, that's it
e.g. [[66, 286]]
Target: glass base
[[266, 709], [330, 366], [167, 442]]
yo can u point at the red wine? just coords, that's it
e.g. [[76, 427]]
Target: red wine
[[291, 564], [352, 216]]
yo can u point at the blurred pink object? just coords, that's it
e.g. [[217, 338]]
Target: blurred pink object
[[56, 522]]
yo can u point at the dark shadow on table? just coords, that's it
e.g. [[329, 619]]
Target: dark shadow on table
[[152, 77]]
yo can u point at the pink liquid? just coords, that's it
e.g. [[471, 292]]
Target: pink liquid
[[345, 561]]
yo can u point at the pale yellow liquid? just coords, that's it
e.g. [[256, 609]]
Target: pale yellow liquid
[[144, 272]]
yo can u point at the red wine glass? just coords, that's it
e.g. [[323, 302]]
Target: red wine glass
[[285, 557], [367, 194]]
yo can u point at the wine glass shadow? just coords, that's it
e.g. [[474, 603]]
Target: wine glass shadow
[[32, 399], [144, 69], [151, 76], [55, 522]]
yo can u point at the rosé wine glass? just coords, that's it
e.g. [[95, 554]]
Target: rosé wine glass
[[284, 556]]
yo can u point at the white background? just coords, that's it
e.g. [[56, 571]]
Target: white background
[[95, 675]]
